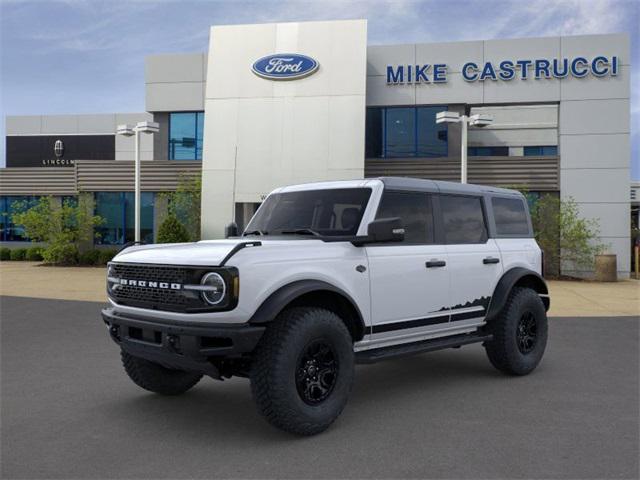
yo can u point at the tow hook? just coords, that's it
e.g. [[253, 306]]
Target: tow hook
[[173, 343], [114, 331]]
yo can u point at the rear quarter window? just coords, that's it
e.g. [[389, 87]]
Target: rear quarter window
[[463, 219], [510, 216]]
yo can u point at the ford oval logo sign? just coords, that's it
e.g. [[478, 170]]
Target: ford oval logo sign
[[285, 66]]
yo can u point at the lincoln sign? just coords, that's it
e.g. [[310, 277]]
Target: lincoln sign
[[506, 70]]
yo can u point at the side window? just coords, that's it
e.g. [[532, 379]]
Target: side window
[[463, 219], [414, 209], [510, 215]]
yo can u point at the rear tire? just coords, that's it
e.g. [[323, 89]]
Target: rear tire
[[156, 378], [519, 333], [302, 371]]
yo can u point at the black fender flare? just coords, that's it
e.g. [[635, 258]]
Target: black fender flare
[[506, 283], [286, 294]]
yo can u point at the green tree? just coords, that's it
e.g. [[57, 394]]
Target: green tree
[[61, 227], [184, 203], [172, 231], [565, 237]]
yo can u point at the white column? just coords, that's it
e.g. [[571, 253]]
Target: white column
[[463, 154], [137, 186]]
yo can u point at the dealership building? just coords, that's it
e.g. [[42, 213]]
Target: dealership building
[[275, 104]]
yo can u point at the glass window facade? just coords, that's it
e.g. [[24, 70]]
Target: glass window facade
[[405, 132], [544, 151], [117, 210], [185, 135], [10, 232], [488, 151]]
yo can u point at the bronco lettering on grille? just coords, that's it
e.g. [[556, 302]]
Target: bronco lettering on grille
[[149, 284]]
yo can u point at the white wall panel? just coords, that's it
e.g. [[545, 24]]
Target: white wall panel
[[596, 185], [591, 87], [174, 97], [58, 124], [455, 90], [595, 151], [516, 138], [379, 56], [379, 93], [517, 90], [273, 133], [521, 49], [594, 117], [612, 218], [453, 54], [175, 68], [23, 124]]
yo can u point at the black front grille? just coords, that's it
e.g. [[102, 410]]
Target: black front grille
[[167, 298]]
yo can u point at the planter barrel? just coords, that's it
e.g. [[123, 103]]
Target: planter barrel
[[606, 268]]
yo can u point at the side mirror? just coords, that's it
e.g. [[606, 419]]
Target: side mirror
[[231, 230], [383, 230]]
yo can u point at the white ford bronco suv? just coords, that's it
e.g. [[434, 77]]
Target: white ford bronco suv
[[327, 275]]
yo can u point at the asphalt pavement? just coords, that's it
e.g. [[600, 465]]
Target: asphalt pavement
[[69, 411]]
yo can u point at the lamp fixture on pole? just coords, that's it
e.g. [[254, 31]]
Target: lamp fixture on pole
[[128, 131], [477, 120]]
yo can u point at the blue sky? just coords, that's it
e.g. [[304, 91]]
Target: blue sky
[[77, 56]]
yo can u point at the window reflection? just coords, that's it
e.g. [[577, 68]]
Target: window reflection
[[185, 135]]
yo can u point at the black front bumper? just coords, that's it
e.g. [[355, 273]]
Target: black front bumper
[[184, 347]]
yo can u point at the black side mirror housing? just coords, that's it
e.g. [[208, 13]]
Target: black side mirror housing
[[231, 230], [383, 230]]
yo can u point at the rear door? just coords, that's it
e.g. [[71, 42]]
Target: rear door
[[474, 259], [409, 280]]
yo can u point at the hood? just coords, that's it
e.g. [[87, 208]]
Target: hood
[[209, 253]]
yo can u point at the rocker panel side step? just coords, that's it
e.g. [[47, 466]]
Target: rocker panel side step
[[406, 349]]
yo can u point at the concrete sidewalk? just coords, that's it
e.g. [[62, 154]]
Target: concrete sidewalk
[[568, 298]]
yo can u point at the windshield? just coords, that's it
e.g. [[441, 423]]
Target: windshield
[[326, 212]]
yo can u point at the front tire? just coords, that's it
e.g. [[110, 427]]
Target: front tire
[[302, 371], [519, 333], [156, 378]]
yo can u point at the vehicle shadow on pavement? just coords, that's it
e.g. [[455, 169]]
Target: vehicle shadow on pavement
[[227, 407]]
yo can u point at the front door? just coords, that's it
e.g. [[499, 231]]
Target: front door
[[409, 280]]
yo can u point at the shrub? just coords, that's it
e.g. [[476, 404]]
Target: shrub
[[34, 254], [90, 257], [172, 231], [62, 227], [18, 253], [185, 202], [61, 254], [568, 240], [5, 253], [105, 256]]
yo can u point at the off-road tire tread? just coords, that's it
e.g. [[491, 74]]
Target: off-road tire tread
[[268, 398], [500, 351], [156, 378]]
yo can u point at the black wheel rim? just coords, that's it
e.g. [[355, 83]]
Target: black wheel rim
[[317, 372], [526, 333]]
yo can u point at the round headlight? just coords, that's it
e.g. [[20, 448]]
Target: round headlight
[[215, 288]]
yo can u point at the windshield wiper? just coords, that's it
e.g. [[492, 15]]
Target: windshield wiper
[[301, 231], [254, 232]]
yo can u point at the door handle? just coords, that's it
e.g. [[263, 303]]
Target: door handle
[[490, 260], [435, 263]]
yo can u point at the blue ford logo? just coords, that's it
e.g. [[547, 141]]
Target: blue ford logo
[[285, 66]]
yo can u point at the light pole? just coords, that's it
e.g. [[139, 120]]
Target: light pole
[[478, 120], [128, 131]]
